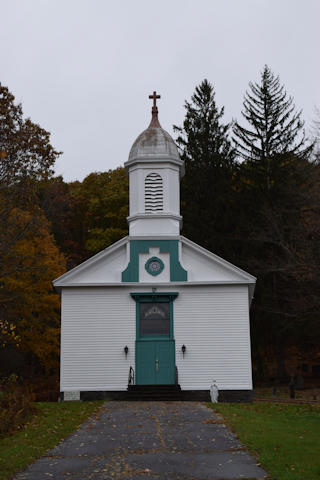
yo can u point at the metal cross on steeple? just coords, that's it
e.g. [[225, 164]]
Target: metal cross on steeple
[[154, 120], [154, 96]]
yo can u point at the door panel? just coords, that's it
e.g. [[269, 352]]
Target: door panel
[[155, 362], [166, 358], [145, 363]]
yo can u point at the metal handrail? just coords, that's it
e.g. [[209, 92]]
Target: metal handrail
[[131, 376]]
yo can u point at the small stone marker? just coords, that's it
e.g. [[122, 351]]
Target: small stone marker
[[71, 396]]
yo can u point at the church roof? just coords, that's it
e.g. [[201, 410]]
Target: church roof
[[154, 144]]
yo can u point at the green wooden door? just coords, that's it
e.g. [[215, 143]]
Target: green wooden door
[[155, 346], [155, 362]]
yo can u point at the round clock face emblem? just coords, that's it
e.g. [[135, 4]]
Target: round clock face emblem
[[154, 266]]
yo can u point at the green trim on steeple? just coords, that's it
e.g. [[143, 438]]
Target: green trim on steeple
[[177, 272]]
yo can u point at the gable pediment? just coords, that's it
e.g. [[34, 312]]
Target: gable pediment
[[104, 267], [108, 267], [205, 266]]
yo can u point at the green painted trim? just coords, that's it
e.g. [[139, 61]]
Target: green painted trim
[[149, 297], [154, 296], [177, 273]]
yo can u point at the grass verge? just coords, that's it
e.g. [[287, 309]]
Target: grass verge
[[52, 423], [285, 438]]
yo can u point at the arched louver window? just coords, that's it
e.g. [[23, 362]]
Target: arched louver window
[[153, 193]]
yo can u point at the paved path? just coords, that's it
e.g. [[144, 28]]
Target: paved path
[[148, 440]]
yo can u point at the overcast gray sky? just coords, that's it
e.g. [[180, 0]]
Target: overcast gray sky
[[83, 69]]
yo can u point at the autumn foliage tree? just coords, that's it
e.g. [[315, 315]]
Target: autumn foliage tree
[[65, 209], [29, 258], [103, 201]]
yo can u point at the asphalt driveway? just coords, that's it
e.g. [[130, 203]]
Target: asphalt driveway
[[148, 440]]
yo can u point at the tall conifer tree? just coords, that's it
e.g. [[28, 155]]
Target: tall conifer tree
[[209, 163], [276, 127], [276, 186]]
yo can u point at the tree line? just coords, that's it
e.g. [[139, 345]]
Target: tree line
[[250, 194]]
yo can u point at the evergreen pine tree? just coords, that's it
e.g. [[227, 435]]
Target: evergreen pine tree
[[275, 130], [209, 164], [276, 191], [276, 127]]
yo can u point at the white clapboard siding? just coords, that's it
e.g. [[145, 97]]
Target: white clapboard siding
[[213, 323], [96, 326]]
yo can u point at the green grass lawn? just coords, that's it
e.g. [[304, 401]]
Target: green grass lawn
[[52, 423], [285, 438]]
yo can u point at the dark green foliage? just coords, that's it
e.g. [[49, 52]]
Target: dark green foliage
[[277, 187], [261, 214], [206, 191], [275, 126]]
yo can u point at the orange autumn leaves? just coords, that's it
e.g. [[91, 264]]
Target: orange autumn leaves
[[30, 260]]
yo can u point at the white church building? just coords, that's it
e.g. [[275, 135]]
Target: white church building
[[155, 310]]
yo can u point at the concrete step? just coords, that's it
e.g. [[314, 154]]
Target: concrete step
[[154, 392]]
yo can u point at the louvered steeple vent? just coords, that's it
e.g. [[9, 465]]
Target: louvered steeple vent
[[153, 193]]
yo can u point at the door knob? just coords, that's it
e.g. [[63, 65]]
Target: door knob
[[157, 366]]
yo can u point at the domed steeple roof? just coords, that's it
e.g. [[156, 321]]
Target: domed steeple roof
[[154, 144]]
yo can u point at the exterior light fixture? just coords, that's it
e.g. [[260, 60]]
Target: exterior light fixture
[[183, 349], [126, 350]]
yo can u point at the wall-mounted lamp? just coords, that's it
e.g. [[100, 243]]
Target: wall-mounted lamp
[[126, 350], [183, 349]]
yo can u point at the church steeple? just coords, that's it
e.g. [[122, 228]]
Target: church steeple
[[154, 169]]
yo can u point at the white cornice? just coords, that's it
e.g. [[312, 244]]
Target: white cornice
[[153, 160], [154, 215]]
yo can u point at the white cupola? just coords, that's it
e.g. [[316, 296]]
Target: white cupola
[[154, 168]]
